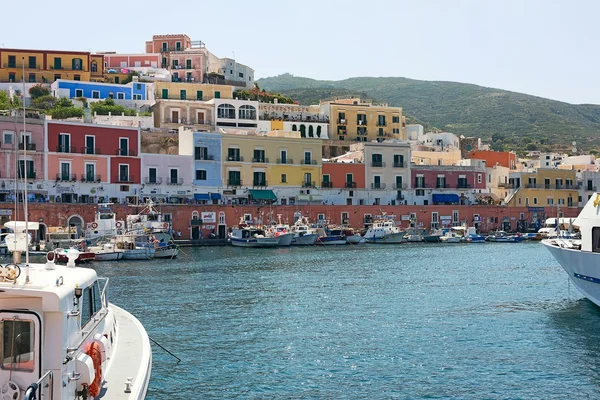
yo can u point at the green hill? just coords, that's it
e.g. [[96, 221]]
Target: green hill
[[507, 119]]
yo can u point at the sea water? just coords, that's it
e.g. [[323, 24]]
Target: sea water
[[410, 321]]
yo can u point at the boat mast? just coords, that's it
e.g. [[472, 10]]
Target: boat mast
[[25, 178]]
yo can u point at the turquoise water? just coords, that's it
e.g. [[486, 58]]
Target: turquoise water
[[478, 321]]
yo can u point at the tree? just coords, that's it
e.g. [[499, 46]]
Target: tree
[[129, 77], [66, 112], [64, 102], [45, 102], [4, 101], [38, 91], [531, 147]]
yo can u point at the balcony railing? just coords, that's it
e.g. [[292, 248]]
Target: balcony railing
[[590, 188], [420, 185], [125, 179], [327, 184], [235, 158], [20, 66], [66, 177], [234, 182], [208, 157], [153, 181], [308, 162], [259, 183], [91, 150], [174, 181], [399, 164], [378, 186], [179, 66], [463, 186], [260, 160], [65, 149], [441, 186], [378, 164], [341, 121], [27, 146], [90, 178], [30, 175], [381, 123], [126, 153], [401, 186], [68, 68], [350, 185], [285, 161], [549, 187], [306, 184]]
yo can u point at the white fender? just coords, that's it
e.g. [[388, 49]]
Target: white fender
[[85, 366]]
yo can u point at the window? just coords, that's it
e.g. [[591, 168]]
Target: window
[[65, 171], [307, 157], [398, 161], [201, 153], [165, 94], [123, 173], [398, 182], [283, 178], [7, 137], [173, 176], [561, 201], [349, 178], [225, 111], [200, 175], [91, 303], [247, 112], [120, 96], [77, 64], [217, 95], [435, 221], [233, 154], [199, 95], [381, 120], [440, 181], [94, 66], [361, 119], [95, 94], [18, 341], [90, 144], [111, 95], [123, 146], [259, 156], [77, 77], [178, 46], [164, 46], [260, 178], [30, 169], [188, 64], [455, 218], [283, 158], [535, 200], [479, 179], [152, 175], [56, 77], [64, 143], [395, 119], [78, 92], [234, 178], [31, 77], [137, 96], [57, 63], [12, 77], [377, 160], [241, 75], [182, 94], [90, 172], [12, 61], [308, 179], [377, 182]]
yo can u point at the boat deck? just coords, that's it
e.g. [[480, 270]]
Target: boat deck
[[132, 358]]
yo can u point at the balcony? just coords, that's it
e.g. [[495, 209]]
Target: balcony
[[27, 146], [126, 153], [90, 178], [20, 66], [91, 150], [308, 162], [207, 157], [65, 149], [350, 185], [234, 182], [399, 164], [399, 196], [550, 187], [153, 180], [379, 123], [259, 183], [590, 188], [463, 186], [306, 184], [235, 158], [420, 185], [125, 179], [361, 122], [401, 186], [180, 67], [30, 175], [67, 68], [66, 177], [260, 160], [171, 48], [327, 184], [341, 121], [362, 132], [442, 186], [378, 164], [285, 161], [377, 186], [175, 181]]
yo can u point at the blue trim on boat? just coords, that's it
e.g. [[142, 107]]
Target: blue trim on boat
[[586, 278]]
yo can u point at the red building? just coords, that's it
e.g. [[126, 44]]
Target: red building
[[506, 159], [440, 184], [343, 175]]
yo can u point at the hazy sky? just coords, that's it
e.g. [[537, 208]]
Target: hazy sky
[[545, 48]]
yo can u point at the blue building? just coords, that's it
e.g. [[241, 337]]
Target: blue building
[[101, 91], [205, 149]]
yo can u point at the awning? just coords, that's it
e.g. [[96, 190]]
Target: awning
[[262, 194], [201, 196], [316, 197], [303, 197], [215, 196], [446, 198]]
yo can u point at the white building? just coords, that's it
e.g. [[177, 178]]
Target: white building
[[232, 113], [230, 70]]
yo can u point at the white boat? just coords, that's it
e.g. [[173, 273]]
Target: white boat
[[132, 250], [304, 235], [414, 235], [105, 225], [452, 235], [352, 237], [106, 252], [580, 258], [503, 237], [251, 237], [68, 341], [149, 220], [384, 231]]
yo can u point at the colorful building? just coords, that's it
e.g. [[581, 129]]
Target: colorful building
[[46, 66], [81, 158], [439, 184], [171, 114], [387, 166], [192, 91], [101, 91], [184, 58], [341, 175], [543, 187], [506, 159], [232, 113], [166, 176], [147, 60], [205, 148]]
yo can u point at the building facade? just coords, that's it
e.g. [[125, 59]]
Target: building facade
[[102, 91], [438, 184], [232, 113], [506, 159], [205, 148], [192, 91], [147, 60], [543, 187], [171, 114], [387, 166], [185, 59]]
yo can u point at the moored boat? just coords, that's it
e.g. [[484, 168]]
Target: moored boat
[[503, 237], [105, 225], [106, 252], [384, 231], [304, 235], [251, 237]]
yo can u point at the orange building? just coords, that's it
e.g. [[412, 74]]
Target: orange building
[[506, 159], [343, 175]]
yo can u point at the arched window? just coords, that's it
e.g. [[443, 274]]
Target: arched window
[[247, 112], [226, 111], [310, 131], [94, 66], [319, 131], [302, 131], [195, 216], [294, 128]]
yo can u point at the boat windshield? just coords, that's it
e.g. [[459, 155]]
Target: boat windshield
[[17, 344]]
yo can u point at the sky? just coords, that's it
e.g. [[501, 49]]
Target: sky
[[544, 48]]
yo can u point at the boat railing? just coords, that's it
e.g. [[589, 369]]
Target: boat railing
[[30, 393], [104, 290]]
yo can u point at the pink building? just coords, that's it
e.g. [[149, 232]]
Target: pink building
[[184, 58], [148, 60], [30, 145]]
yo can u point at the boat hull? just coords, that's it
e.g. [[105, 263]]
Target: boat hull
[[255, 242], [432, 238], [285, 239], [450, 239], [392, 238], [582, 267], [166, 252], [109, 256], [331, 240], [305, 240], [83, 257], [355, 239], [138, 254]]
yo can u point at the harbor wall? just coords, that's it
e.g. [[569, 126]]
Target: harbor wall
[[191, 222]]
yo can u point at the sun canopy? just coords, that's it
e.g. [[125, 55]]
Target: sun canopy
[[201, 196], [262, 194], [446, 198]]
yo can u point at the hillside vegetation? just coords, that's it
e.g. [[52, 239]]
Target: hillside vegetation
[[508, 120]]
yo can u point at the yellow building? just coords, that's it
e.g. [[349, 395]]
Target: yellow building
[[280, 159], [451, 157], [46, 66], [192, 91], [544, 187], [362, 121]]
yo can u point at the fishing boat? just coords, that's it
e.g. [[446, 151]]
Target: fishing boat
[[280, 231], [471, 236], [84, 255], [62, 338], [247, 236], [330, 235], [132, 250], [384, 231], [503, 237], [433, 236], [304, 235], [580, 258], [150, 225], [353, 237], [414, 235], [105, 225], [452, 235], [106, 252]]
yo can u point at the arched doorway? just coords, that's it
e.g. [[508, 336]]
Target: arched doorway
[[222, 228], [77, 222], [196, 228]]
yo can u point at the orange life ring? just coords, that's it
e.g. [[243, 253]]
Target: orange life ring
[[94, 225], [166, 225], [118, 224], [96, 355]]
